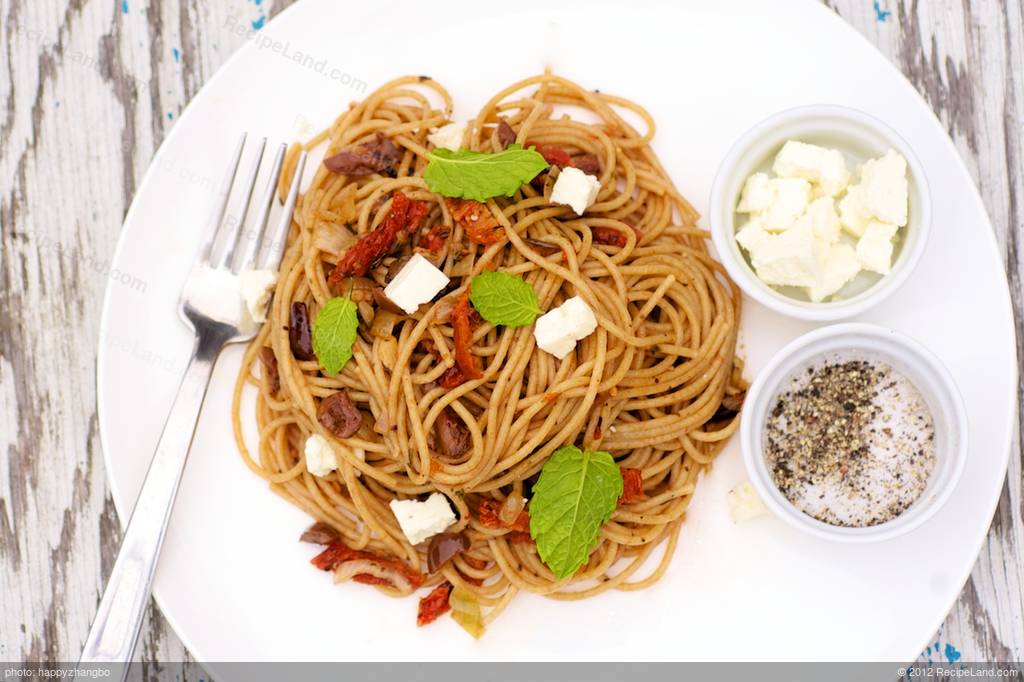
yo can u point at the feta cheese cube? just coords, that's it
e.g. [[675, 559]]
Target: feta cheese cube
[[853, 214], [744, 504], [758, 194], [884, 188], [821, 166], [415, 284], [558, 330], [320, 459], [421, 520], [753, 234], [792, 195], [575, 189], [874, 248], [791, 258], [824, 219], [448, 136], [841, 265], [256, 287]]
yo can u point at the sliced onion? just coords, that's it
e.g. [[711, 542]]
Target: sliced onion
[[461, 268], [443, 310], [385, 303], [332, 239], [466, 611], [383, 424], [388, 351], [383, 324], [511, 508], [319, 534]]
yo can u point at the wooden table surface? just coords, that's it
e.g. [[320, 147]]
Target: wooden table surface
[[89, 90]]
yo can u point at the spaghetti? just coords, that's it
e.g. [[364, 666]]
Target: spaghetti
[[657, 384]]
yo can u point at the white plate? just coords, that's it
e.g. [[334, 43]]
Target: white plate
[[233, 580]]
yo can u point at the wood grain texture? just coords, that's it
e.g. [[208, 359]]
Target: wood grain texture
[[126, 68]]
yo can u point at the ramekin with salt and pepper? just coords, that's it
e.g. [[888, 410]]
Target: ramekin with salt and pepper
[[854, 433]]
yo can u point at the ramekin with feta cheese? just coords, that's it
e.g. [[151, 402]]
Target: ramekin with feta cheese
[[820, 212]]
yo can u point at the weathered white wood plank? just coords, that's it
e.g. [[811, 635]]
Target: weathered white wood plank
[[97, 83]]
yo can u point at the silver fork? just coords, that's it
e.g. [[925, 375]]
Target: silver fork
[[211, 305]]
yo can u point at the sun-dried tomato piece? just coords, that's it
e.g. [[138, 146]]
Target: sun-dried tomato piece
[[489, 513], [608, 236], [520, 537], [554, 155], [434, 604], [338, 553], [434, 238], [367, 579], [452, 377], [418, 210], [477, 220], [462, 331], [405, 215], [632, 485], [522, 522]]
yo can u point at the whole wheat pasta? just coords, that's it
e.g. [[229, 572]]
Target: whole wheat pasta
[[647, 386]]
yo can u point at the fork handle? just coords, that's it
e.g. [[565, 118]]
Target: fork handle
[[115, 629]]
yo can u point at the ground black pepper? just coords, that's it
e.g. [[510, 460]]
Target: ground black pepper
[[850, 442]]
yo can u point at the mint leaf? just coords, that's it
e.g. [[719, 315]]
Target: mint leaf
[[334, 333], [504, 299], [575, 495], [479, 175]]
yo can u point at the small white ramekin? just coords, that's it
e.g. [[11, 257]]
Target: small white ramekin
[[904, 355], [860, 137]]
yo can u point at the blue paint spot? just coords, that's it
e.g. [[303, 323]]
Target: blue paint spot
[[257, 24], [170, 116], [257, 2], [952, 655], [177, 55], [124, 6], [881, 14]]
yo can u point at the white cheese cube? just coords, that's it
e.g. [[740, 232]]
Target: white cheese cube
[[884, 188], [558, 330], [853, 214], [874, 248], [791, 258], [320, 459], [256, 287], [744, 504], [421, 520], [753, 234], [575, 189], [448, 136], [824, 219], [792, 195], [821, 166], [841, 265], [758, 194], [415, 284]]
